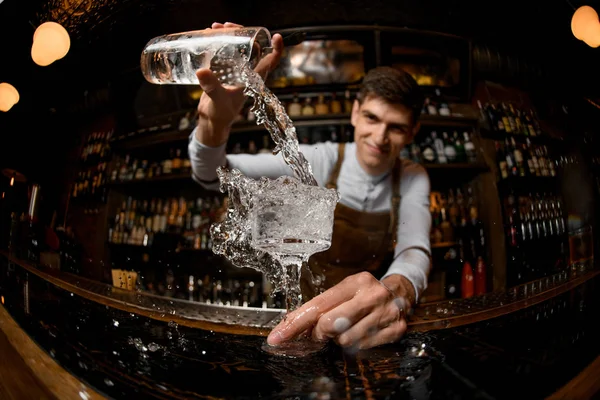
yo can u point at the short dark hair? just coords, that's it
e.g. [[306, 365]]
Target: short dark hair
[[395, 86]]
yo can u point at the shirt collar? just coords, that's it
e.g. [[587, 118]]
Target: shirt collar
[[357, 170]]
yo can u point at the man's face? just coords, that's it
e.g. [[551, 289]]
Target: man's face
[[381, 130]]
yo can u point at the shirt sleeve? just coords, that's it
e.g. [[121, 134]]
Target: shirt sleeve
[[413, 250], [205, 160]]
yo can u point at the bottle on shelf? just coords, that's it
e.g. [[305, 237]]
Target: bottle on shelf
[[471, 153], [321, 108], [335, 104], [176, 163], [295, 108], [347, 102], [308, 108], [265, 146]]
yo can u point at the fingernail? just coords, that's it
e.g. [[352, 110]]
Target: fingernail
[[274, 338]]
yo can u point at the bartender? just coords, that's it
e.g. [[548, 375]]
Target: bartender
[[379, 259]]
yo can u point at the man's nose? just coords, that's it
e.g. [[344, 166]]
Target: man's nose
[[380, 135]]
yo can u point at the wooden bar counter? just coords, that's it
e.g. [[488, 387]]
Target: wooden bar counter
[[65, 337]]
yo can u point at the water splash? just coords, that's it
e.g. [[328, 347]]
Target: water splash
[[273, 226]]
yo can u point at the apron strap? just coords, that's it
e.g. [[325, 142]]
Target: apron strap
[[333, 177], [396, 176]]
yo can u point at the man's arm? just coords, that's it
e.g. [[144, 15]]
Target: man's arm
[[205, 160], [412, 253]]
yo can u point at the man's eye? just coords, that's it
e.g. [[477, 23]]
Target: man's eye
[[371, 118]]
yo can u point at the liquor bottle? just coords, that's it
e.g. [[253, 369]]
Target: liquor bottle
[[438, 145], [186, 164], [511, 118], [176, 162], [443, 107], [308, 108], [335, 105], [480, 277], [265, 146], [467, 282], [427, 151], [512, 222], [502, 161], [295, 108], [461, 153], [469, 148], [503, 112], [449, 148], [252, 147], [511, 163], [496, 118], [347, 102], [167, 164], [321, 108], [520, 164], [431, 106]]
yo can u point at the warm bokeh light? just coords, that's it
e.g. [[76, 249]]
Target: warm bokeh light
[[586, 26], [51, 42], [584, 18], [592, 36], [9, 96]]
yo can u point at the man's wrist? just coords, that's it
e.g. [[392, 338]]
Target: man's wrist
[[212, 134], [401, 287]]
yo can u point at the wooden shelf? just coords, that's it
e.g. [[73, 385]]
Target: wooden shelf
[[150, 139], [452, 120], [480, 167], [163, 178], [174, 136], [540, 140], [135, 247], [443, 245]]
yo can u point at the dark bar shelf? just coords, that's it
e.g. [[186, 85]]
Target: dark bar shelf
[[443, 245], [524, 184], [163, 178], [451, 120], [138, 247], [542, 140], [172, 136], [452, 173]]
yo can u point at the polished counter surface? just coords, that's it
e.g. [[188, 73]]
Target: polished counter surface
[[526, 343]]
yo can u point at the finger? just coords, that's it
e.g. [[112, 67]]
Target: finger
[[232, 25], [387, 335], [342, 318], [210, 84], [370, 325], [307, 316], [217, 25], [270, 61]]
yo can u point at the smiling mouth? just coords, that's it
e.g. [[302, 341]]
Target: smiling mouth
[[377, 149]]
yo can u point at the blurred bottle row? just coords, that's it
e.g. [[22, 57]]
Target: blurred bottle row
[[506, 118], [441, 149], [127, 168], [524, 159], [138, 222]]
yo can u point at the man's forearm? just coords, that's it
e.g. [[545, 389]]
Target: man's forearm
[[401, 287], [413, 264], [212, 134]]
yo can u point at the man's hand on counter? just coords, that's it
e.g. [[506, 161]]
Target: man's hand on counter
[[360, 312]]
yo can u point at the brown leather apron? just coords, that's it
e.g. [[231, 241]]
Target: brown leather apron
[[361, 241]]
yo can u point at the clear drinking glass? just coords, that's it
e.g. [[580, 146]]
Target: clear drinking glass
[[293, 222], [175, 58]]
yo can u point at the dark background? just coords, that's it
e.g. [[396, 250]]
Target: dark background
[[101, 70]]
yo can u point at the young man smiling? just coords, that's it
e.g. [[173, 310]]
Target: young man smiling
[[379, 259]]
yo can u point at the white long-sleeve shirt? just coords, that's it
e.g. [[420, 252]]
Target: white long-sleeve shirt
[[357, 190]]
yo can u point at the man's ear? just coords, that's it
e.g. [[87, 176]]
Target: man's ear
[[355, 112], [416, 130]]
